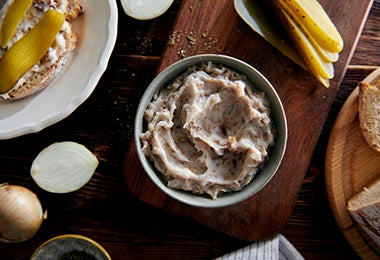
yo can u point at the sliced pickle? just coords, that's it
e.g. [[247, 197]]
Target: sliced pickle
[[12, 18], [325, 54], [29, 49], [321, 69], [260, 17], [318, 23]]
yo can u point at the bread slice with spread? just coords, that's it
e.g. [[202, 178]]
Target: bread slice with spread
[[41, 74]]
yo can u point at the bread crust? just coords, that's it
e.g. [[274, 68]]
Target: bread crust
[[36, 80], [364, 208], [369, 113], [72, 9]]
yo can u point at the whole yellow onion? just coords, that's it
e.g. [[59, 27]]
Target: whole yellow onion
[[21, 213]]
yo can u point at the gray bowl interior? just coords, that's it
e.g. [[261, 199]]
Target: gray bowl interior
[[66, 247], [260, 83]]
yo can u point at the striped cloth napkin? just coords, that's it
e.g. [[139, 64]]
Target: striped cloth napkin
[[275, 248]]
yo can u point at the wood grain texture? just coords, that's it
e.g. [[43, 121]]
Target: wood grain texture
[[215, 27], [351, 165], [106, 211]]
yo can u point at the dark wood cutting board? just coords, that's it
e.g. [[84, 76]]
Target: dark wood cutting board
[[210, 26]]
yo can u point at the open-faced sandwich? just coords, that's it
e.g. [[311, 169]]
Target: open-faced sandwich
[[36, 38]]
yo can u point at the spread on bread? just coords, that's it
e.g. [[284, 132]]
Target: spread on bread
[[40, 72], [29, 50], [369, 113], [208, 132]]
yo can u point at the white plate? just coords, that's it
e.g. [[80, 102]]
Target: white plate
[[262, 20], [97, 31]]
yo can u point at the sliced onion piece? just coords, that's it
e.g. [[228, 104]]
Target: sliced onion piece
[[145, 9], [63, 167]]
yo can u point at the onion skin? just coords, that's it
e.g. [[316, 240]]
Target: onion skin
[[21, 213]]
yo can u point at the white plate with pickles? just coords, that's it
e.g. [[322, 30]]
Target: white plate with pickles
[[96, 29], [301, 29]]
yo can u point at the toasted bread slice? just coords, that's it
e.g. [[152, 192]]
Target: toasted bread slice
[[47, 69], [369, 113], [71, 8], [364, 208]]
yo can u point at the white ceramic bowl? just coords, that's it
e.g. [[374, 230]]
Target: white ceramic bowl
[[278, 115]]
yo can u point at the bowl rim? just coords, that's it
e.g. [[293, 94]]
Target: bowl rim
[[72, 236], [226, 199]]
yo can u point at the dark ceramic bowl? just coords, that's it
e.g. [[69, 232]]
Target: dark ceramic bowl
[[70, 247]]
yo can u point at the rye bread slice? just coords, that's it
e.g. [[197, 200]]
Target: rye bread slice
[[38, 79], [364, 208], [369, 113]]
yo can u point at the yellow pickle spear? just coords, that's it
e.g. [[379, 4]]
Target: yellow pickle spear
[[318, 23], [29, 50], [12, 18], [313, 33]]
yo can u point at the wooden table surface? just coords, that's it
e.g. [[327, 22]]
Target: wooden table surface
[[104, 209]]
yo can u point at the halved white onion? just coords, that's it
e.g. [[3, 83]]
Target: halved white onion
[[145, 9], [63, 167]]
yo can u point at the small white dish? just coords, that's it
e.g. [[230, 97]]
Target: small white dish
[[97, 30]]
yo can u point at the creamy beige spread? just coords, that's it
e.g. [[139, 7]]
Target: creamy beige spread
[[208, 132]]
